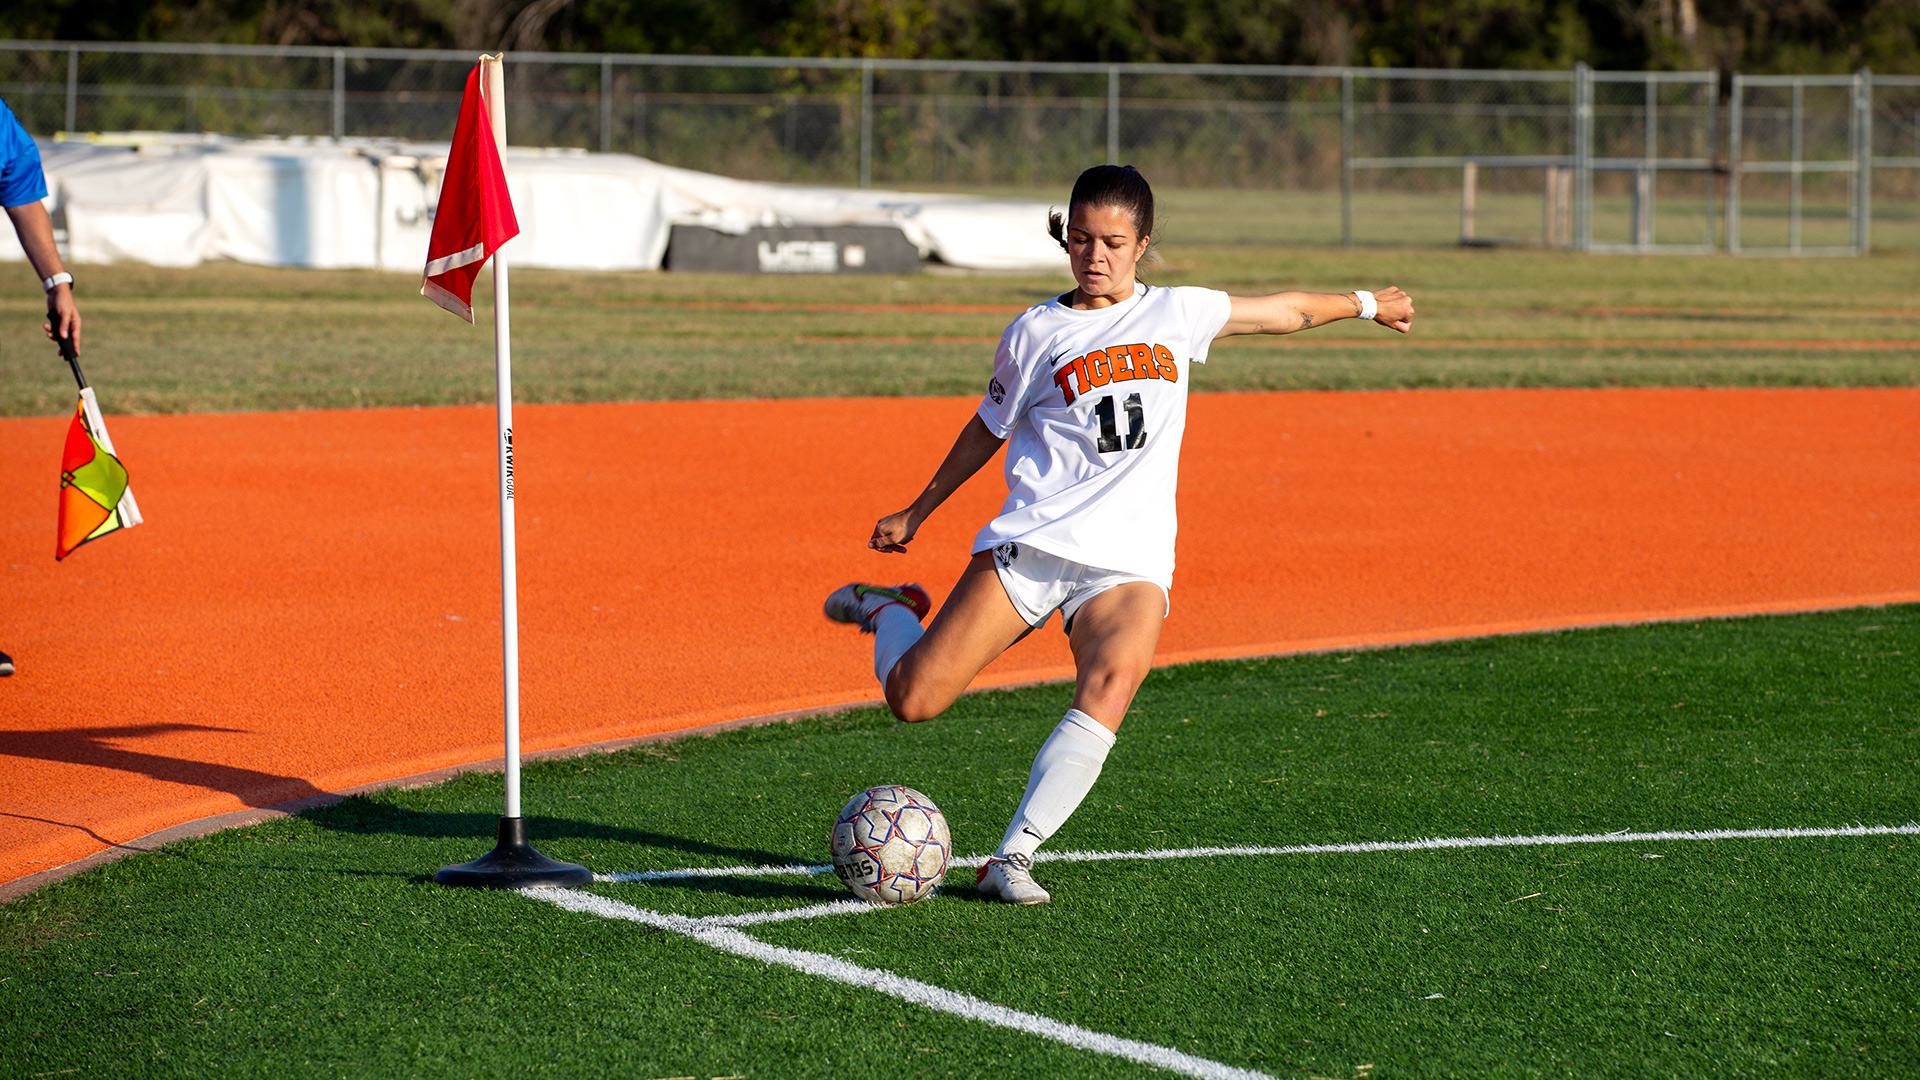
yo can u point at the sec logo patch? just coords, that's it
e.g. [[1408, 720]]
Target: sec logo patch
[[995, 391]]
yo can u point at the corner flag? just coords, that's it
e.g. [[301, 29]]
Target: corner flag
[[94, 497], [476, 217], [476, 214]]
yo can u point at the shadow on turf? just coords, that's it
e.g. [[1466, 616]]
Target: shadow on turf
[[762, 889], [362, 816]]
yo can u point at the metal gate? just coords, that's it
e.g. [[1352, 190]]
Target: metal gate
[[1611, 148], [1799, 164]]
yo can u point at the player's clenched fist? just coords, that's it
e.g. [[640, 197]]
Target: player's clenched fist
[[1395, 308], [891, 533]]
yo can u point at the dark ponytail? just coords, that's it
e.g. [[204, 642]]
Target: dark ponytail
[[1118, 186]]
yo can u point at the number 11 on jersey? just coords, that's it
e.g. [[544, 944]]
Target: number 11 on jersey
[[1109, 440]]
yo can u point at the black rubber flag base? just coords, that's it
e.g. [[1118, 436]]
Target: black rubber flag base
[[513, 864]]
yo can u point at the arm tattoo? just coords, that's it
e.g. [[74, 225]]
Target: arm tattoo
[[1357, 309], [1306, 320]]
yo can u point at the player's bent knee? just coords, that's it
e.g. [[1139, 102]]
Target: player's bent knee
[[1122, 679], [1109, 690], [913, 710], [910, 702]]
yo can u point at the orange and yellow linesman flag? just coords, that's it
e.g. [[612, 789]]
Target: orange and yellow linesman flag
[[94, 497], [475, 215]]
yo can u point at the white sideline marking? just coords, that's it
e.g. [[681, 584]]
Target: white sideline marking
[[719, 931], [711, 871], [1364, 847], [1440, 843], [838, 907], [730, 940]]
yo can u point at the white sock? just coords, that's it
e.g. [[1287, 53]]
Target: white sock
[[894, 632], [1063, 772]]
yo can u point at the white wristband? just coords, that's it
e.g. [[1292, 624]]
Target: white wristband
[[1368, 306], [55, 281]]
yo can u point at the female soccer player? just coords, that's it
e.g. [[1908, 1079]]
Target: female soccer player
[[1091, 390]]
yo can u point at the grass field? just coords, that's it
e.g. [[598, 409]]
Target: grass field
[[317, 946], [233, 338]]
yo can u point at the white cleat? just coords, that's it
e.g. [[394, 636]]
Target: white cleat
[[1009, 879], [858, 603]]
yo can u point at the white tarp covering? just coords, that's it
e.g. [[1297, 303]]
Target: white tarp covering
[[584, 211], [960, 230], [176, 201], [122, 206], [318, 210]]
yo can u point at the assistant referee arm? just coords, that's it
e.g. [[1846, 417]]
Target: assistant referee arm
[[35, 230], [1290, 312]]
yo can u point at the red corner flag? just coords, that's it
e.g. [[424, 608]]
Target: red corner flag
[[476, 214]]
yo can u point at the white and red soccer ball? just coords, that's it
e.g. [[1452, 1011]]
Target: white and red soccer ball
[[890, 845]]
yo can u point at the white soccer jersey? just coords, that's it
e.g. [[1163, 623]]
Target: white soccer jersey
[[1093, 405]]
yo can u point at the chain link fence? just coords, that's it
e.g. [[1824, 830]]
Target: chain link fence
[[1892, 214], [1599, 161]]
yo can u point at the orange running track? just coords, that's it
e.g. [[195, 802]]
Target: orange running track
[[313, 603]]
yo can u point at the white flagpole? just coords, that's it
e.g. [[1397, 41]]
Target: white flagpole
[[503, 379]]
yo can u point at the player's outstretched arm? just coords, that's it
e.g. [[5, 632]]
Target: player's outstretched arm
[[974, 448], [1290, 312]]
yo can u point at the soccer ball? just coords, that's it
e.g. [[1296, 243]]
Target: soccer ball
[[890, 845]]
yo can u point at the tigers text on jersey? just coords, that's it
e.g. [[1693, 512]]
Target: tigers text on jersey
[[1092, 405]]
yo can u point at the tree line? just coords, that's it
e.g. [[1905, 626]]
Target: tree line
[[1753, 36]]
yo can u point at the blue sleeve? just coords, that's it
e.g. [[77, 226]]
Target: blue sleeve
[[21, 181]]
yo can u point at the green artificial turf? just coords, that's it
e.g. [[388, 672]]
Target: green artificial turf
[[223, 337], [318, 946]]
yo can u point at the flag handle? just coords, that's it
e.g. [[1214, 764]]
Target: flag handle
[[71, 355]]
